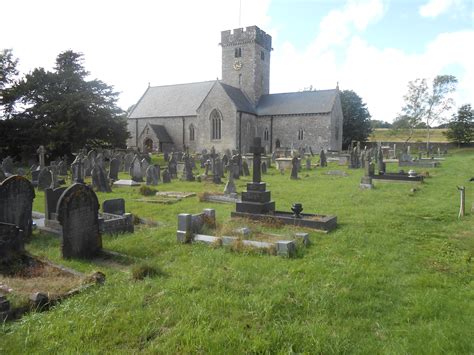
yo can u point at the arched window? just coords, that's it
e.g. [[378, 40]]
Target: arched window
[[266, 135], [216, 124], [300, 134], [191, 132]]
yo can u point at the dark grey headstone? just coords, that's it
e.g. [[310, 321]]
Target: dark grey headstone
[[45, 179], [51, 198], [127, 162], [152, 177], [294, 168], [77, 213], [245, 168], [114, 169], [166, 177], [114, 206], [99, 179], [11, 242], [322, 159], [136, 170], [16, 202]]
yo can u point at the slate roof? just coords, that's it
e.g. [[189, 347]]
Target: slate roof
[[240, 100], [320, 101], [161, 133], [172, 100]]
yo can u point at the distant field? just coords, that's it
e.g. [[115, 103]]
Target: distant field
[[389, 135]]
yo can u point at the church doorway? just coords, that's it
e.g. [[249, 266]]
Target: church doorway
[[148, 145], [277, 143]]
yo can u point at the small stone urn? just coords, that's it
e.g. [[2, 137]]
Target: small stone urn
[[297, 208]]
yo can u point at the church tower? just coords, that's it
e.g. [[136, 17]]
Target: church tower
[[246, 60]]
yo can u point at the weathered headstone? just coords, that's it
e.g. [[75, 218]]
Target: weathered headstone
[[11, 242], [308, 164], [322, 159], [41, 153], [294, 168], [145, 166], [173, 167], [136, 170], [114, 206], [127, 162], [77, 168], [16, 202], [166, 176], [114, 169], [99, 179], [264, 167], [77, 213], [45, 179], [245, 168], [230, 186], [188, 169], [152, 176], [7, 166]]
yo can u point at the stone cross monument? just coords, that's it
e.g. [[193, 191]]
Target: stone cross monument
[[257, 151]]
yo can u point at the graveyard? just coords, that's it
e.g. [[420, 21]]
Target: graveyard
[[394, 274]]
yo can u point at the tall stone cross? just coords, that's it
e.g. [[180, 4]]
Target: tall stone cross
[[257, 151], [41, 152]]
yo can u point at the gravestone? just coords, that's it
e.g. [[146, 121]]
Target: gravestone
[[45, 179], [245, 169], [322, 159], [41, 153], [173, 167], [11, 242], [136, 170], [264, 167], [99, 179], [99, 160], [16, 202], [114, 206], [294, 168], [225, 160], [114, 169], [51, 198], [166, 176], [127, 162], [62, 168], [145, 166], [152, 176], [87, 166], [308, 164], [230, 186], [77, 213], [77, 168], [188, 169]]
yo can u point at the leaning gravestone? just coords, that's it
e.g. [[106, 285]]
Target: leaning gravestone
[[99, 179], [136, 170], [114, 169], [77, 213], [45, 179], [16, 202]]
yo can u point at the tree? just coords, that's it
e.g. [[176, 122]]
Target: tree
[[64, 111], [8, 74], [356, 123], [461, 127], [380, 124], [428, 104]]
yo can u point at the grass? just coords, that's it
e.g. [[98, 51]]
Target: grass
[[419, 135], [396, 276]]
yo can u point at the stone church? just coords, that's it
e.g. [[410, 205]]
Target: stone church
[[229, 113]]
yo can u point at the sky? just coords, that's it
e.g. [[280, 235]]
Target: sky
[[373, 47]]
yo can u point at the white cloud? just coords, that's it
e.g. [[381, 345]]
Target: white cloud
[[434, 8]]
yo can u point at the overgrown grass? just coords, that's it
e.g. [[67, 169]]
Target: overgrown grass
[[401, 135], [396, 276]]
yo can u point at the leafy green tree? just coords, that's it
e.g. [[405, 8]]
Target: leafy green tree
[[65, 112], [428, 104], [356, 124], [8, 74], [380, 124], [461, 127]]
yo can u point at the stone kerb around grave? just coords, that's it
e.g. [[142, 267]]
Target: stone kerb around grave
[[16, 203], [77, 212]]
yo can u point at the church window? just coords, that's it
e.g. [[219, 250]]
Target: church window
[[238, 52], [262, 55], [266, 135], [216, 124], [191, 133], [300, 134]]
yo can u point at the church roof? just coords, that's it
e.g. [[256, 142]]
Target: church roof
[[239, 99], [161, 133], [320, 101], [172, 100]]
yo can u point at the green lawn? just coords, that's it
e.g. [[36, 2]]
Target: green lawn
[[419, 135], [395, 277]]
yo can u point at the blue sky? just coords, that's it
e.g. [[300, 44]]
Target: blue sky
[[373, 47]]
